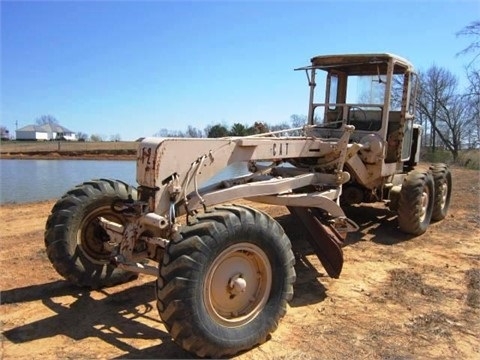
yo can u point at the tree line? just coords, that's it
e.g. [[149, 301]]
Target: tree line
[[237, 129]]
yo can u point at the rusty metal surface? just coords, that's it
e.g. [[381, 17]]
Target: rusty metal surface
[[359, 63], [326, 242]]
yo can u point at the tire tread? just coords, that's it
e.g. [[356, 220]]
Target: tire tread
[[60, 232], [409, 206], [174, 289]]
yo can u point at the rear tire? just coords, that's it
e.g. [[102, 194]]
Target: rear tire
[[74, 240], [415, 204], [224, 286], [442, 179]]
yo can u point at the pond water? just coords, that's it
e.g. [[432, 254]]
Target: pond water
[[34, 180]]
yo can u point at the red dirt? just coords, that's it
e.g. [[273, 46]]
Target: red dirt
[[397, 297]]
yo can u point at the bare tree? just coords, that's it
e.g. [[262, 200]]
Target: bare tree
[[46, 120], [165, 133], [115, 137], [472, 97], [161, 133], [298, 120], [96, 137], [278, 127], [439, 102], [82, 136], [471, 30], [193, 132]]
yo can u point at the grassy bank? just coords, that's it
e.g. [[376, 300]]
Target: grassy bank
[[68, 149], [466, 158]]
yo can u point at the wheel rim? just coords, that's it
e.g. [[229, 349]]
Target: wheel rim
[[237, 285], [89, 236], [444, 192], [424, 204]]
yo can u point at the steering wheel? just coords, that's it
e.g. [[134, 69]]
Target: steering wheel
[[361, 110], [365, 118]]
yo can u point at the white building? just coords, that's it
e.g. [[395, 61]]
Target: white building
[[45, 132]]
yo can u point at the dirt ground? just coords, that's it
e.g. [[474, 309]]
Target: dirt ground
[[397, 298]]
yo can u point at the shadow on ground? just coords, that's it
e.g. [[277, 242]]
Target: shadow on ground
[[113, 319], [378, 225]]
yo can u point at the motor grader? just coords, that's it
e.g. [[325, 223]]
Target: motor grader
[[226, 272]]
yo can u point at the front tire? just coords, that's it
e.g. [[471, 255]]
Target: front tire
[[442, 179], [75, 241], [415, 204], [224, 285]]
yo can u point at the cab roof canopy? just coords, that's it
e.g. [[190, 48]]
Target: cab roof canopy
[[360, 64]]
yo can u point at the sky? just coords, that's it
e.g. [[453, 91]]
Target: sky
[[131, 69]]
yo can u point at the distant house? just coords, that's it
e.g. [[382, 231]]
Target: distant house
[[45, 132]]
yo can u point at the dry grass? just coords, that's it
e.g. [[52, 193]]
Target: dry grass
[[473, 286], [469, 158], [405, 284], [432, 325]]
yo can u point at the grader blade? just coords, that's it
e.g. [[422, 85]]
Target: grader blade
[[324, 239]]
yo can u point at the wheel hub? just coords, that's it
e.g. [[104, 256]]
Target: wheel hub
[[237, 284], [443, 191], [424, 205], [92, 238]]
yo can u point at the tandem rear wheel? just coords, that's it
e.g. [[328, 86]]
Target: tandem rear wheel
[[415, 203], [423, 198]]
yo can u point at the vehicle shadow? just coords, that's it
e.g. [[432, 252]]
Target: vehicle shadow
[[307, 289], [378, 225], [113, 319]]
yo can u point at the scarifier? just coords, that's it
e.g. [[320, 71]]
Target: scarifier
[[225, 275]]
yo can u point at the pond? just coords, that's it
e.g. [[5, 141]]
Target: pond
[[34, 180]]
